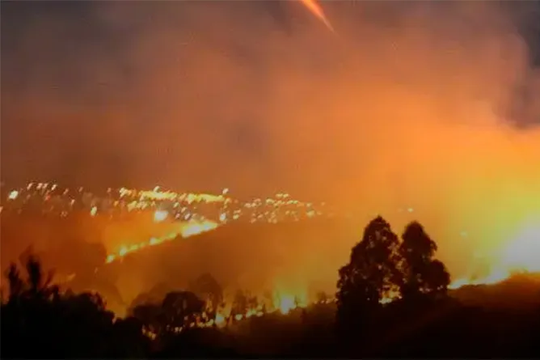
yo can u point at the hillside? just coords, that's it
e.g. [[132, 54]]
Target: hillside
[[291, 257]]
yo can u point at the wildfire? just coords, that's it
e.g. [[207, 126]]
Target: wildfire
[[224, 316], [494, 277], [184, 231], [287, 304], [521, 255], [283, 304]]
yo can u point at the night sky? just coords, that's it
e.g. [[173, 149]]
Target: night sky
[[206, 95]]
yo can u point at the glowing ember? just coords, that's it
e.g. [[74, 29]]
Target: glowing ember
[[13, 195], [185, 230], [160, 215], [195, 228]]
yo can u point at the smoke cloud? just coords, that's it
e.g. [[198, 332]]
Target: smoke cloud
[[430, 106]]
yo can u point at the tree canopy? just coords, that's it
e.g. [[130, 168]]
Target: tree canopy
[[422, 273], [61, 324], [382, 268]]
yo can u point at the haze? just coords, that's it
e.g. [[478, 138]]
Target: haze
[[416, 105]]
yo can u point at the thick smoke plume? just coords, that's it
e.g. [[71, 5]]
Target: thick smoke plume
[[417, 105]]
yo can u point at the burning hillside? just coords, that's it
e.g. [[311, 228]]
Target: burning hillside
[[280, 263], [183, 230]]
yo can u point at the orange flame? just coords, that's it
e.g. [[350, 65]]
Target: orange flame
[[520, 255], [185, 230]]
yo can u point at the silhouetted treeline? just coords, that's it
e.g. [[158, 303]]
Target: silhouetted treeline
[[39, 321], [392, 300]]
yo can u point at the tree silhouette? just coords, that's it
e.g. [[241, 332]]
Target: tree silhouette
[[322, 297], [35, 286], [208, 289], [16, 284], [154, 296], [252, 301], [422, 274], [240, 303], [371, 274], [181, 308], [40, 321], [151, 318], [178, 310]]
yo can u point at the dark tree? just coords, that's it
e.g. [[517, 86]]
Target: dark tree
[[422, 274], [154, 296], [322, 297], [370, 276], [208, 289], [240, 303], [35, 286], [16, 284], [252, 301], [129, 338], [180, 308], [40, 321], [151, 317]]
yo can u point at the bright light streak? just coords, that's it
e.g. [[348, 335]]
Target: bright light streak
[[317, 10], [184, 231]]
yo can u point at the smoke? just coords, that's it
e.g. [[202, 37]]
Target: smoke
[[415, 105]]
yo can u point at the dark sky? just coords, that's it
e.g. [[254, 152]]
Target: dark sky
[[206, 95]]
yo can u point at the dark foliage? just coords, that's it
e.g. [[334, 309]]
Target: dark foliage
[[208, 289], [40, 322], [371, 275], [422, 274], [177, 310]]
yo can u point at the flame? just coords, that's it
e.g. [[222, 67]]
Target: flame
[[317, 10], [523, 253], [220, 319], [195, 228], [282, 303], [520, 255], [286, 304], [160, 215], [184, 231]]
